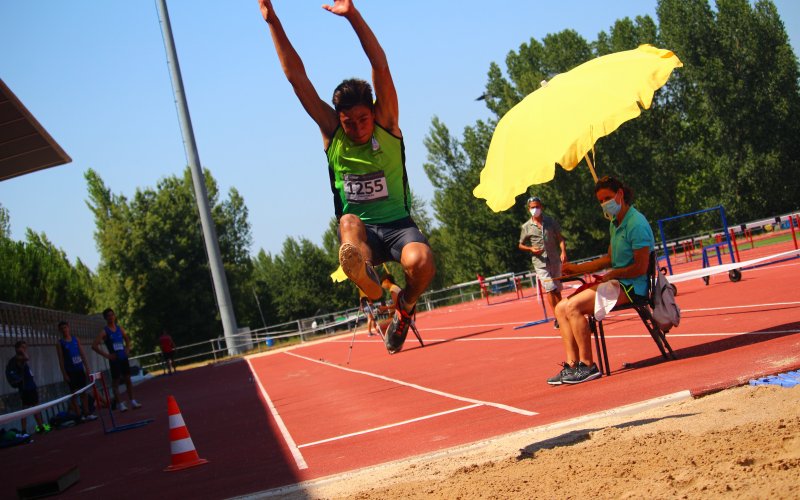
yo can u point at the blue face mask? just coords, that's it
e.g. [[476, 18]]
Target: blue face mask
[[611, 208]]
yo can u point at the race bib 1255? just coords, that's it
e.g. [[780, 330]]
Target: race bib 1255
[[365, 188]]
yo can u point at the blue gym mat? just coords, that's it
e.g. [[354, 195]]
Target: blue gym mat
[[788, 379]]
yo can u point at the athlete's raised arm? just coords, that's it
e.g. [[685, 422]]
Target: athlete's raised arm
[[387, 110], [320, 111]]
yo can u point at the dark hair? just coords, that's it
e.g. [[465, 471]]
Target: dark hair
[[388, 277], [532, 199], [62, 323], [19, 344], [615, 185], [105, 313], [351, 93]]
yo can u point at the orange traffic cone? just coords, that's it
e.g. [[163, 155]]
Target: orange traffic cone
[[183, 453]]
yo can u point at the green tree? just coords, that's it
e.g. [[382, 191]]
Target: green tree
[[739, 97], [5, 223], [296, 283], [154, 270], [720, 132], [37, 273], [471, 238]]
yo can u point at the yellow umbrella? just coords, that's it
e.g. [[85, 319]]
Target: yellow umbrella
[[338, 275], [560, 122]]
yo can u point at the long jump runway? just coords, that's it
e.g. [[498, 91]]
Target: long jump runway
[[478, 378], [304, 413]]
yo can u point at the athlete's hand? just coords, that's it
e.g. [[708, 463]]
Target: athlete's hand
[[266, 9], [340, 7]]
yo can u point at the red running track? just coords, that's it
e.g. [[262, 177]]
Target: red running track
[[477, 377], [306, 414]]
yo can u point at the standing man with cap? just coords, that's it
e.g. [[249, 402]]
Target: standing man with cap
[[541, 236]]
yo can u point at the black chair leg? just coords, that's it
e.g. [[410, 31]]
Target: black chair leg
[[596, 328], [658, 336], [416, 332], [603, 344]]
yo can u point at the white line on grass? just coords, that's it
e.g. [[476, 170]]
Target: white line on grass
[[298, 457]]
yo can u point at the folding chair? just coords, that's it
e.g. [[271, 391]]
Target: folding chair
[[372, 312], [412, 326], [644, 309]]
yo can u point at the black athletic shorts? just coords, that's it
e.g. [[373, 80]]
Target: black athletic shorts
[[77, 380], [387, 240], [119, 368], [168, 355], [29, 397]]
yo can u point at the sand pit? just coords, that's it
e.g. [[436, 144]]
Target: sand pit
[[739, 443]]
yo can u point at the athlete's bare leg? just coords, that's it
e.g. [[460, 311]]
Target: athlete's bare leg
[[418, 264], [355, 256]]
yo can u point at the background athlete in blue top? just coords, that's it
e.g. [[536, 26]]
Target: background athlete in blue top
[[117, 344], [74, 368]]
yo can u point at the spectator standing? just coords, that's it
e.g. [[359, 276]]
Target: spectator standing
[[368, 312], [117, 344], [541, 236], [167, 351], [74, 368], [20, 376]]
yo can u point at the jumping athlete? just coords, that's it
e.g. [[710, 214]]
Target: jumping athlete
[[366, 163]]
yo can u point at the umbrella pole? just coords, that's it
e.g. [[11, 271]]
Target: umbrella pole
[[591, 168]]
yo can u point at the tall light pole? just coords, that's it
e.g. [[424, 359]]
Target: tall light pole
[[198, 179]]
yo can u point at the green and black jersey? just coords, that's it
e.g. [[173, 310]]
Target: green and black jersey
[[369, 180]]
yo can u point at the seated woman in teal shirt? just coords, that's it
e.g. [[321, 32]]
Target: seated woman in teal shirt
[[628, 257]]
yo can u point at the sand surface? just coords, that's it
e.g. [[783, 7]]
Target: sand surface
[[739, 443]]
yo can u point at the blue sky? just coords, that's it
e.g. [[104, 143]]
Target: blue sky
[[95, 75]]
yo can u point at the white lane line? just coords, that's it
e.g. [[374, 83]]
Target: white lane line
[[485, 325], [619, 315], [298, 457], [511, 409], [744, 306], [729, 334], [389, 426], [608, 336]]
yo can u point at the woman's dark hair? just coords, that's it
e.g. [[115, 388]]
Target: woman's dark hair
[[352, 92], [615, 185]]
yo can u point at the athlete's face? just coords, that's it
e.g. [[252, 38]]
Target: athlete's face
[[358, 123]]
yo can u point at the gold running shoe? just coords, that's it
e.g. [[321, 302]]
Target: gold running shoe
[[363, 275]]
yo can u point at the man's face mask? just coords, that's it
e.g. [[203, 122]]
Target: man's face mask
[[536, 211], [611, 208]]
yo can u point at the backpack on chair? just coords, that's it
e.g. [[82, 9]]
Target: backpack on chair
[[666, 312]]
